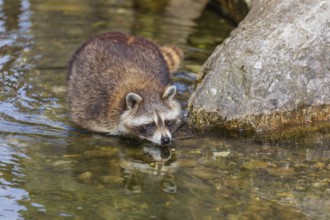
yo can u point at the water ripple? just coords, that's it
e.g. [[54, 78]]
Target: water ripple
[[14, 121]]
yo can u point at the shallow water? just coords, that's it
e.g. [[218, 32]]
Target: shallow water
[[50, 169]]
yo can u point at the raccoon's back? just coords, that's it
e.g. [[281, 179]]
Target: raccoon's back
[[116, 56]]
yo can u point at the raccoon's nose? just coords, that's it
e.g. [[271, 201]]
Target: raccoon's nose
[[165, 140]]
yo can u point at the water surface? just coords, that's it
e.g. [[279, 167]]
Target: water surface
[[49, 169]]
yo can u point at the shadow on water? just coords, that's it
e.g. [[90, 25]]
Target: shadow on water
[[49, 169]]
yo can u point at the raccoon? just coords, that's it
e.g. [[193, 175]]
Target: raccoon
[[120, 85]]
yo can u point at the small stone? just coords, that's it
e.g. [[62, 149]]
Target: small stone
[[318, 184], [112, 179], [194, 152], [84, 176], [319, 165], [61, 163], [71, 155], [221, 154], [255, 164], [187, 163]]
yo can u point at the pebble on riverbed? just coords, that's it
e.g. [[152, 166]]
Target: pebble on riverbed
[[84, 177]]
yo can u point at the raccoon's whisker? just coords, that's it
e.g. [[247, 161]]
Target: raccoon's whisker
[[140, 140], [173, 139]]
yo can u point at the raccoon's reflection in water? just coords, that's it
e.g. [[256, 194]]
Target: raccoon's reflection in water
[[154, 173]]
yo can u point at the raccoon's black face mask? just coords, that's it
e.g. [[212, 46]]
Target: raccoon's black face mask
[[152, 120]]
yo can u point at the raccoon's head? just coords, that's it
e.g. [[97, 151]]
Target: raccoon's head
[[152, 117]]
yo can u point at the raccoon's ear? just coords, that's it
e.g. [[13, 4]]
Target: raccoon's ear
[[169, 93], [132, 100]]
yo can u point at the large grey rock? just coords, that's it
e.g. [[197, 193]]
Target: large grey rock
[[272, 72]]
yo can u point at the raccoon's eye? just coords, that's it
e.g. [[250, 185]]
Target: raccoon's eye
[[170, 123], [149, 126], [146, 129]]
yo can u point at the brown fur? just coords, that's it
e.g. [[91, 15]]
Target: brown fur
[[173, 57], [108, 67]]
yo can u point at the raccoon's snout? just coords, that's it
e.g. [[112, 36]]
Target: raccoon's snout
[[165, 140]]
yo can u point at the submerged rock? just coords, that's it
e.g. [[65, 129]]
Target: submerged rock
[[272, 72], [235, 10]]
